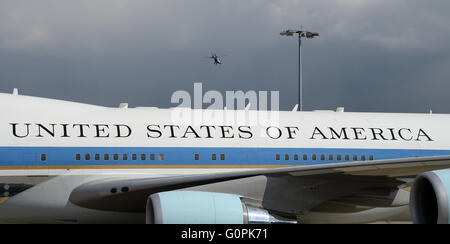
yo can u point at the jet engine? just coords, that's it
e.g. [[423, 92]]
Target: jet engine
[[194, 207], [429, 198]]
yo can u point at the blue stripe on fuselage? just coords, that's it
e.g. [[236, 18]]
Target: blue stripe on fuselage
[[62, 156]]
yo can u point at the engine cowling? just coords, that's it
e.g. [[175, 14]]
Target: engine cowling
[[193, 207], [429, 198]]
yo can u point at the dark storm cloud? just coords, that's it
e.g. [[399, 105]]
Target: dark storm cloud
[[370, 56]]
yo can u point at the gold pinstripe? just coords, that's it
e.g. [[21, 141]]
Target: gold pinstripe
[[144, 167]]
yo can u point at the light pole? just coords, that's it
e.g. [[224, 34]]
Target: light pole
[[301, 33]]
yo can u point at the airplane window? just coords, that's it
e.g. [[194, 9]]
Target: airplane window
[[134, 156], [222, 156], [277, 157], [213, 157], [330, 157], [339, 157], [196, 156], [152, 156], [355, 157], [286, 157], [322, 157], [97, 157], [106, 157], [43, 157], [371, 157], [347, 157], [296, 157], [78, 157], [143, 157], [125, 156], [363, 157], [305, 157], [161, 157], [87, 156], [314, 157]]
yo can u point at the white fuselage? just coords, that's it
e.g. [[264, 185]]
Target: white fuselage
[[72, 143]]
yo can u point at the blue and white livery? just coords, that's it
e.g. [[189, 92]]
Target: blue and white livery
[[66, 162]]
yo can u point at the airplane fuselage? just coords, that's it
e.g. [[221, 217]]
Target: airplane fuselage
[[50, 138]]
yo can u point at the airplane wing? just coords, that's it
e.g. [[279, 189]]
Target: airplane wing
[[332, 178]]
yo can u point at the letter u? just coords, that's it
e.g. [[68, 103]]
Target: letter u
[[14, 125]]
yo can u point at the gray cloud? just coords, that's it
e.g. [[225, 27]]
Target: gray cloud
[[101, 24], [371, 55]]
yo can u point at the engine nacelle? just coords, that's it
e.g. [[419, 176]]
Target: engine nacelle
[[194, 207], [429, 199]]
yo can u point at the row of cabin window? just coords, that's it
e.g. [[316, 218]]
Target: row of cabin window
[[152, 157], [143, 157], [116, 157], [213, 157], [322, 157]]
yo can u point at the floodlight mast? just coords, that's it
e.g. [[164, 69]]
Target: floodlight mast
[[301, 33]]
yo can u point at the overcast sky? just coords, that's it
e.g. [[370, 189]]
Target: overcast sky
[[376, 56]]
